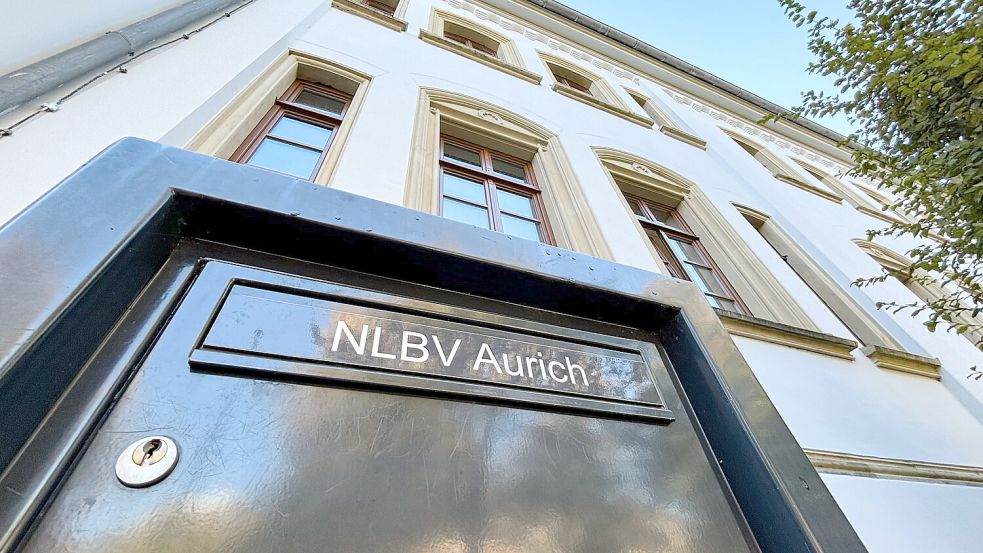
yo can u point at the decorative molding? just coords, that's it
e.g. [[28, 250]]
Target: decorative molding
[[756, 130], [803, 185], [573, 221], [785, 335], [553, 43], [229, 128], [683, 136], [832, 462], [357, 8], [480, 57], [644, 175], [896, 360], [602, 105]]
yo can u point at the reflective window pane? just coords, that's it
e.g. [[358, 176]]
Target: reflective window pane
[[636, 208], [301, 132], [285, 158], [515, 203], [509, 169], [464, 189], [320, 102], [687, 251], [453, 151], [707, 280], [465, 213], [726, 305], [664, 217], [520, 227]]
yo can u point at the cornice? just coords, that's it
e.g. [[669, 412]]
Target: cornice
[[832, 462], [755, 130]]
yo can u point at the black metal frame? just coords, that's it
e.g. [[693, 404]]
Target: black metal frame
[[70, 282]]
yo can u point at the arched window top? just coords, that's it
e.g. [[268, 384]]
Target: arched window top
[[652, 180], [886, 257], [473, 40]]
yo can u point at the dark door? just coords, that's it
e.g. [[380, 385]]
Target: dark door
[[294, 436]]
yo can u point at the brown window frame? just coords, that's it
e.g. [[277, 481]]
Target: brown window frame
[[683, 233], [468, 43], [573, 84], [286, 105], [492, 181], [380, 7]]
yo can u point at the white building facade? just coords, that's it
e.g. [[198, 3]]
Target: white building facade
[[511, 115]]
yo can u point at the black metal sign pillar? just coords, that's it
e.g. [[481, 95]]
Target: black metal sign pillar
[[158, 275]]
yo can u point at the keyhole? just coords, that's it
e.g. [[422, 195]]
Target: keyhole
[[149, 453]]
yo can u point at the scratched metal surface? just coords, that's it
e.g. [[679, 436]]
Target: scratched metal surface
[[276, 466]]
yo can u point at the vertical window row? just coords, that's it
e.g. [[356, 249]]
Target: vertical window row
[[491, 190], [294, 136]]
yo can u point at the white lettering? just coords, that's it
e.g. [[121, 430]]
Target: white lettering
[[530, 361], [421, 347], [571, 367], [440, 351], [518, 365], [358, 346], [375, 346], [485, 355], [553, 374]]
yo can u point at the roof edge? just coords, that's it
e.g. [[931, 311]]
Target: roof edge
[[693, 71]]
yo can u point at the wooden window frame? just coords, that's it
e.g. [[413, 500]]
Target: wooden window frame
[[491, 181], [682, 233], [468, 43], [286, 105], [374, 5]]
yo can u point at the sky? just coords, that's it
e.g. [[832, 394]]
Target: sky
[[750, 43]]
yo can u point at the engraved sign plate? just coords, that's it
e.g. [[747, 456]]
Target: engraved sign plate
[[257, 321]]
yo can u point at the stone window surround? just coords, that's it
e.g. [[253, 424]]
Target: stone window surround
[[603, 96], [760, 290], [394, 22], [879, 346], [782, 171], [665, 121], [232, 125], [925, 290], [509, 60], [573, 222]]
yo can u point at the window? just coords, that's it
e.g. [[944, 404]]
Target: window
[[382, 6], [295, 135], [477, 42], [684, 256], [665, 122], [780, 171], [864, 323], [469, 38], [926, 288], [571, 79], [384, 12], [491, 190]]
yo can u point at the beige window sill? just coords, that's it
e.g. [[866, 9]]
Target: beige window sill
[[833, 462], [602, 105], [684, 136], [896, 360], [480, 57], [785, 335], [825, 194], [368, 13]]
